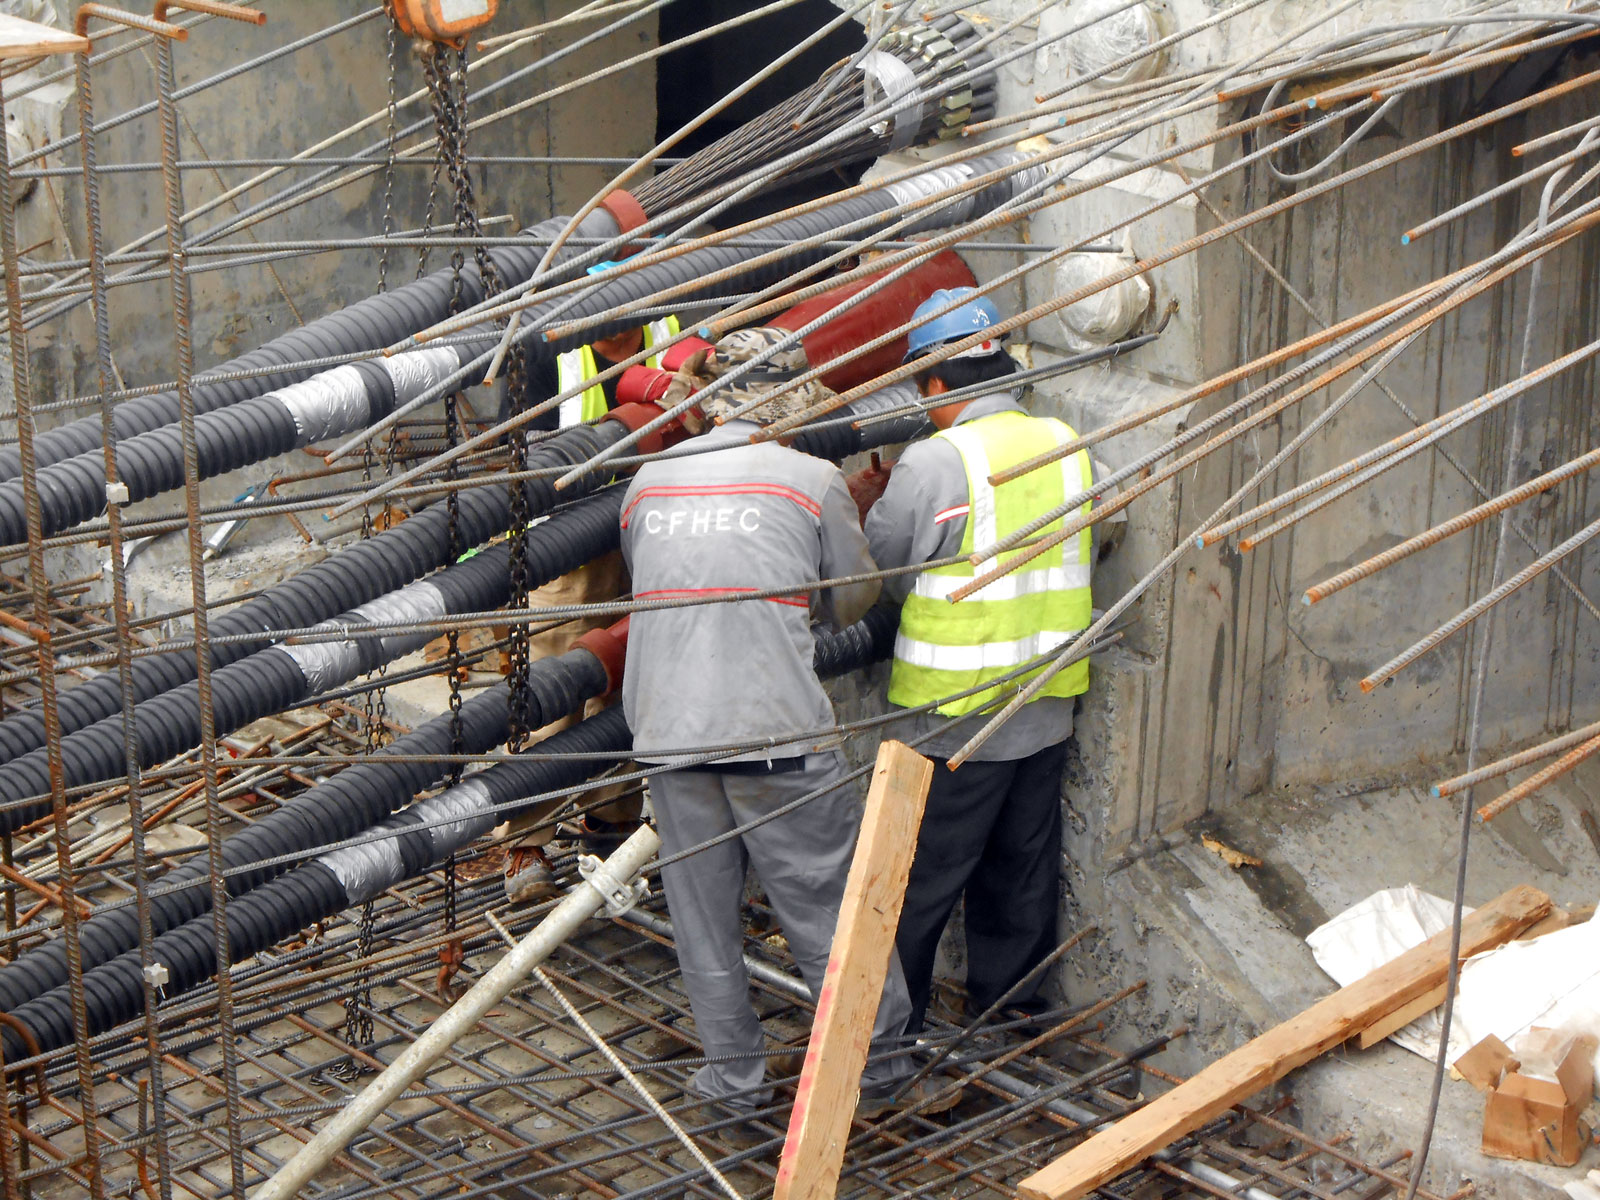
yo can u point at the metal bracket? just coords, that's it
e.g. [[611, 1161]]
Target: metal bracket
[[620, 896]]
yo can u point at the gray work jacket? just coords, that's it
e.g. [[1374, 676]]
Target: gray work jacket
[[742, 518], [930, 478]]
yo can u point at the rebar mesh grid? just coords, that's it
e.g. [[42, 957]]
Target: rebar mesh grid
[[527, 1107]]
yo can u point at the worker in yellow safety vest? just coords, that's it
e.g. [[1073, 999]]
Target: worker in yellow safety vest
[[528, 875], [574, 367], [991, 831]]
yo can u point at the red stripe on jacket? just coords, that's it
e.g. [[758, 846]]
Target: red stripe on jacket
[[684, 593]]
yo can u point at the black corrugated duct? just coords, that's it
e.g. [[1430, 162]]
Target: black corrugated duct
[[423, 836], [356, 575], [369, 324], [352, 801], [395, 557], [283, 677], [74, 491]]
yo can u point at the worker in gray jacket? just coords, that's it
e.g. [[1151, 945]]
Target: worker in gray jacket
[[991, 830], [747, 518]]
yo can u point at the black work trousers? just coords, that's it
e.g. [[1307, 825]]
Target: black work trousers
[[990, 831]]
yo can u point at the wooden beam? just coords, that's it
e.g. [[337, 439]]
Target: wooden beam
[[1559, 918], [830, 1081], [1400, 1018], [1268, 1058], [30, 39]]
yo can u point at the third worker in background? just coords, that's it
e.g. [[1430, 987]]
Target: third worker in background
[[991, 831]]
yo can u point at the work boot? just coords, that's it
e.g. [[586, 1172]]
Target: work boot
[[528, 875], [880, 1101], [599, 835], [742, 1135]]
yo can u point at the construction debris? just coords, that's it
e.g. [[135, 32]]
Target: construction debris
[[1270, 1057]]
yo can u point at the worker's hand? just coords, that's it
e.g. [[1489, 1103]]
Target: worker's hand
[[688, 379], [867, 485]]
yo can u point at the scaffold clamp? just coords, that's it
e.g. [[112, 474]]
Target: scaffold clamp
[[620, 896]]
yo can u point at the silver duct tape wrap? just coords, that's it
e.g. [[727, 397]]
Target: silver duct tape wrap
[[1031, 176], [895, 80], [334, 402], [467, 813], [328, 664], [457, 817], [365, 870], [415, 372], [920, 187]]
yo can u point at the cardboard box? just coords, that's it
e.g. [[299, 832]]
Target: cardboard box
[[1537, 1119]]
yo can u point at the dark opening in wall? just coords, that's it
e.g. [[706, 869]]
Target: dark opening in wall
[[689, 81]]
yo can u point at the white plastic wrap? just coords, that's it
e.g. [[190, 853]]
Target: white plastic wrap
[[1113, 39], [1552, 981], [1107, 316]]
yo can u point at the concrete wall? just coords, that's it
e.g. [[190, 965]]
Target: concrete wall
[[1227, 686], [275, 111]]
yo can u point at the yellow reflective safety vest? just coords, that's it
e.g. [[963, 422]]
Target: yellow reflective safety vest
[[944, 648], [573, 367]]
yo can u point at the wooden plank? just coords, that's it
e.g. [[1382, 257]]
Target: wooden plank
[[1268, 1058], [30, 39], [830, 1081], [1400, 1018], [1559, 918]]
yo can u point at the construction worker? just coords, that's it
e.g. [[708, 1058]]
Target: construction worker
[[991, 830], [528, 873], [574, 367], [743, 518]]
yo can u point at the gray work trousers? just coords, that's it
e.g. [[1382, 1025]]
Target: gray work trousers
[[802, 859]]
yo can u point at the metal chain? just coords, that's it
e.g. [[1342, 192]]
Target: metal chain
[[451, 113], [375, 716], [391, 137], [446, 72]]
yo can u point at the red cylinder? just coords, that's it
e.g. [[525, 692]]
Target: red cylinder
[[642, 385], [874, 316]]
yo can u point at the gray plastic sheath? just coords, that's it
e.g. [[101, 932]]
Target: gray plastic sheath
[[581, 903]]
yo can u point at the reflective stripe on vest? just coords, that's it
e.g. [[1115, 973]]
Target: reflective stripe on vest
[[943, 647], [573, 367]]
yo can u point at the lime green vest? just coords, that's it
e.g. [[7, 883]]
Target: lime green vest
[[573, 367], [945, 647]]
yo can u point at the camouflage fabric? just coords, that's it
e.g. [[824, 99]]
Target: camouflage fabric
[[769, 379]]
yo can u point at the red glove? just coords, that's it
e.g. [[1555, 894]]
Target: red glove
[[867, 485]]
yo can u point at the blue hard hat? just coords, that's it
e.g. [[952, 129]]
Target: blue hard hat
[[930, 331]]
